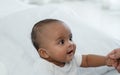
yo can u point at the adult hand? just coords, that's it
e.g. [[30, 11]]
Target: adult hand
[[115, 54]]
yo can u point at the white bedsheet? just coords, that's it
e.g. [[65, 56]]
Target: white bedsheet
[[11, 6], [18, 55], [3, 70]]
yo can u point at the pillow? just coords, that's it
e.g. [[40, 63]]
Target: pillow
[[16, 49]]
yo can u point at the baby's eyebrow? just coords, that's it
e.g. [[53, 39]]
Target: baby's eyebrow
[[58, 38], [62, 37]]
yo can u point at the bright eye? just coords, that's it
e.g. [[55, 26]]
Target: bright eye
[[61, 42], [70, 38]]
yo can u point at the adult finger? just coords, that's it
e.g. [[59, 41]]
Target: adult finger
[[115, 54], [112, 54], [118, 68]]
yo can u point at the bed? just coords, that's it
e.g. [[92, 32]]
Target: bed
[[95, 31]]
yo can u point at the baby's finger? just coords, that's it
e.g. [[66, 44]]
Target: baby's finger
[[115, 56]]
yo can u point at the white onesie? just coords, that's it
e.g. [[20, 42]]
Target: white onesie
[[43, 67]]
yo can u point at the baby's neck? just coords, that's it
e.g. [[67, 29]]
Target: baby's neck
[[61, 64]]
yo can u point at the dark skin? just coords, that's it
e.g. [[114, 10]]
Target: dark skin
[[90, 60]]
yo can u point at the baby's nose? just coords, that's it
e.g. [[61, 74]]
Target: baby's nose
[[71, 44]]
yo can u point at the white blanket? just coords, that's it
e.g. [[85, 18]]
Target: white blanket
[[11, 6]]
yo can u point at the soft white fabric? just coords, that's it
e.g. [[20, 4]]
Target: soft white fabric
[[106, 21], [17, 52], [3, 70], [14, 57], [44, 67], [11, 6], [41, 2], [105, 4]]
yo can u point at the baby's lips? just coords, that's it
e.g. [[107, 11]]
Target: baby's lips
[[69, 51]]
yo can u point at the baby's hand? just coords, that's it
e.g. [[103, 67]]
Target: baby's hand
[[111, 62]]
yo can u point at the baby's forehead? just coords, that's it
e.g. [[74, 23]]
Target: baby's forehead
[[47, 24], [54, 30], [54, 25]]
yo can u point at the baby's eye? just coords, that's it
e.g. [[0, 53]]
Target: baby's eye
[[61, 42], [70, 38]]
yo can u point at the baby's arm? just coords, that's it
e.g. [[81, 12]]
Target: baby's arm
[[93, 60]]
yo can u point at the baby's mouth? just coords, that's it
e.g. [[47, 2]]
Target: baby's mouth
[[70, 52]]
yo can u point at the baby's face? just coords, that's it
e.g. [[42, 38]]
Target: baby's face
[[57, 39]]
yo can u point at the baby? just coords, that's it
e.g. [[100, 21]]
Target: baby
[[52, 39]]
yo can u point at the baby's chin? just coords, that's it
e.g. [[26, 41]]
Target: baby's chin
[[70, 59]]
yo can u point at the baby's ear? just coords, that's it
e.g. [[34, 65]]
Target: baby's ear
[[42, 52]]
